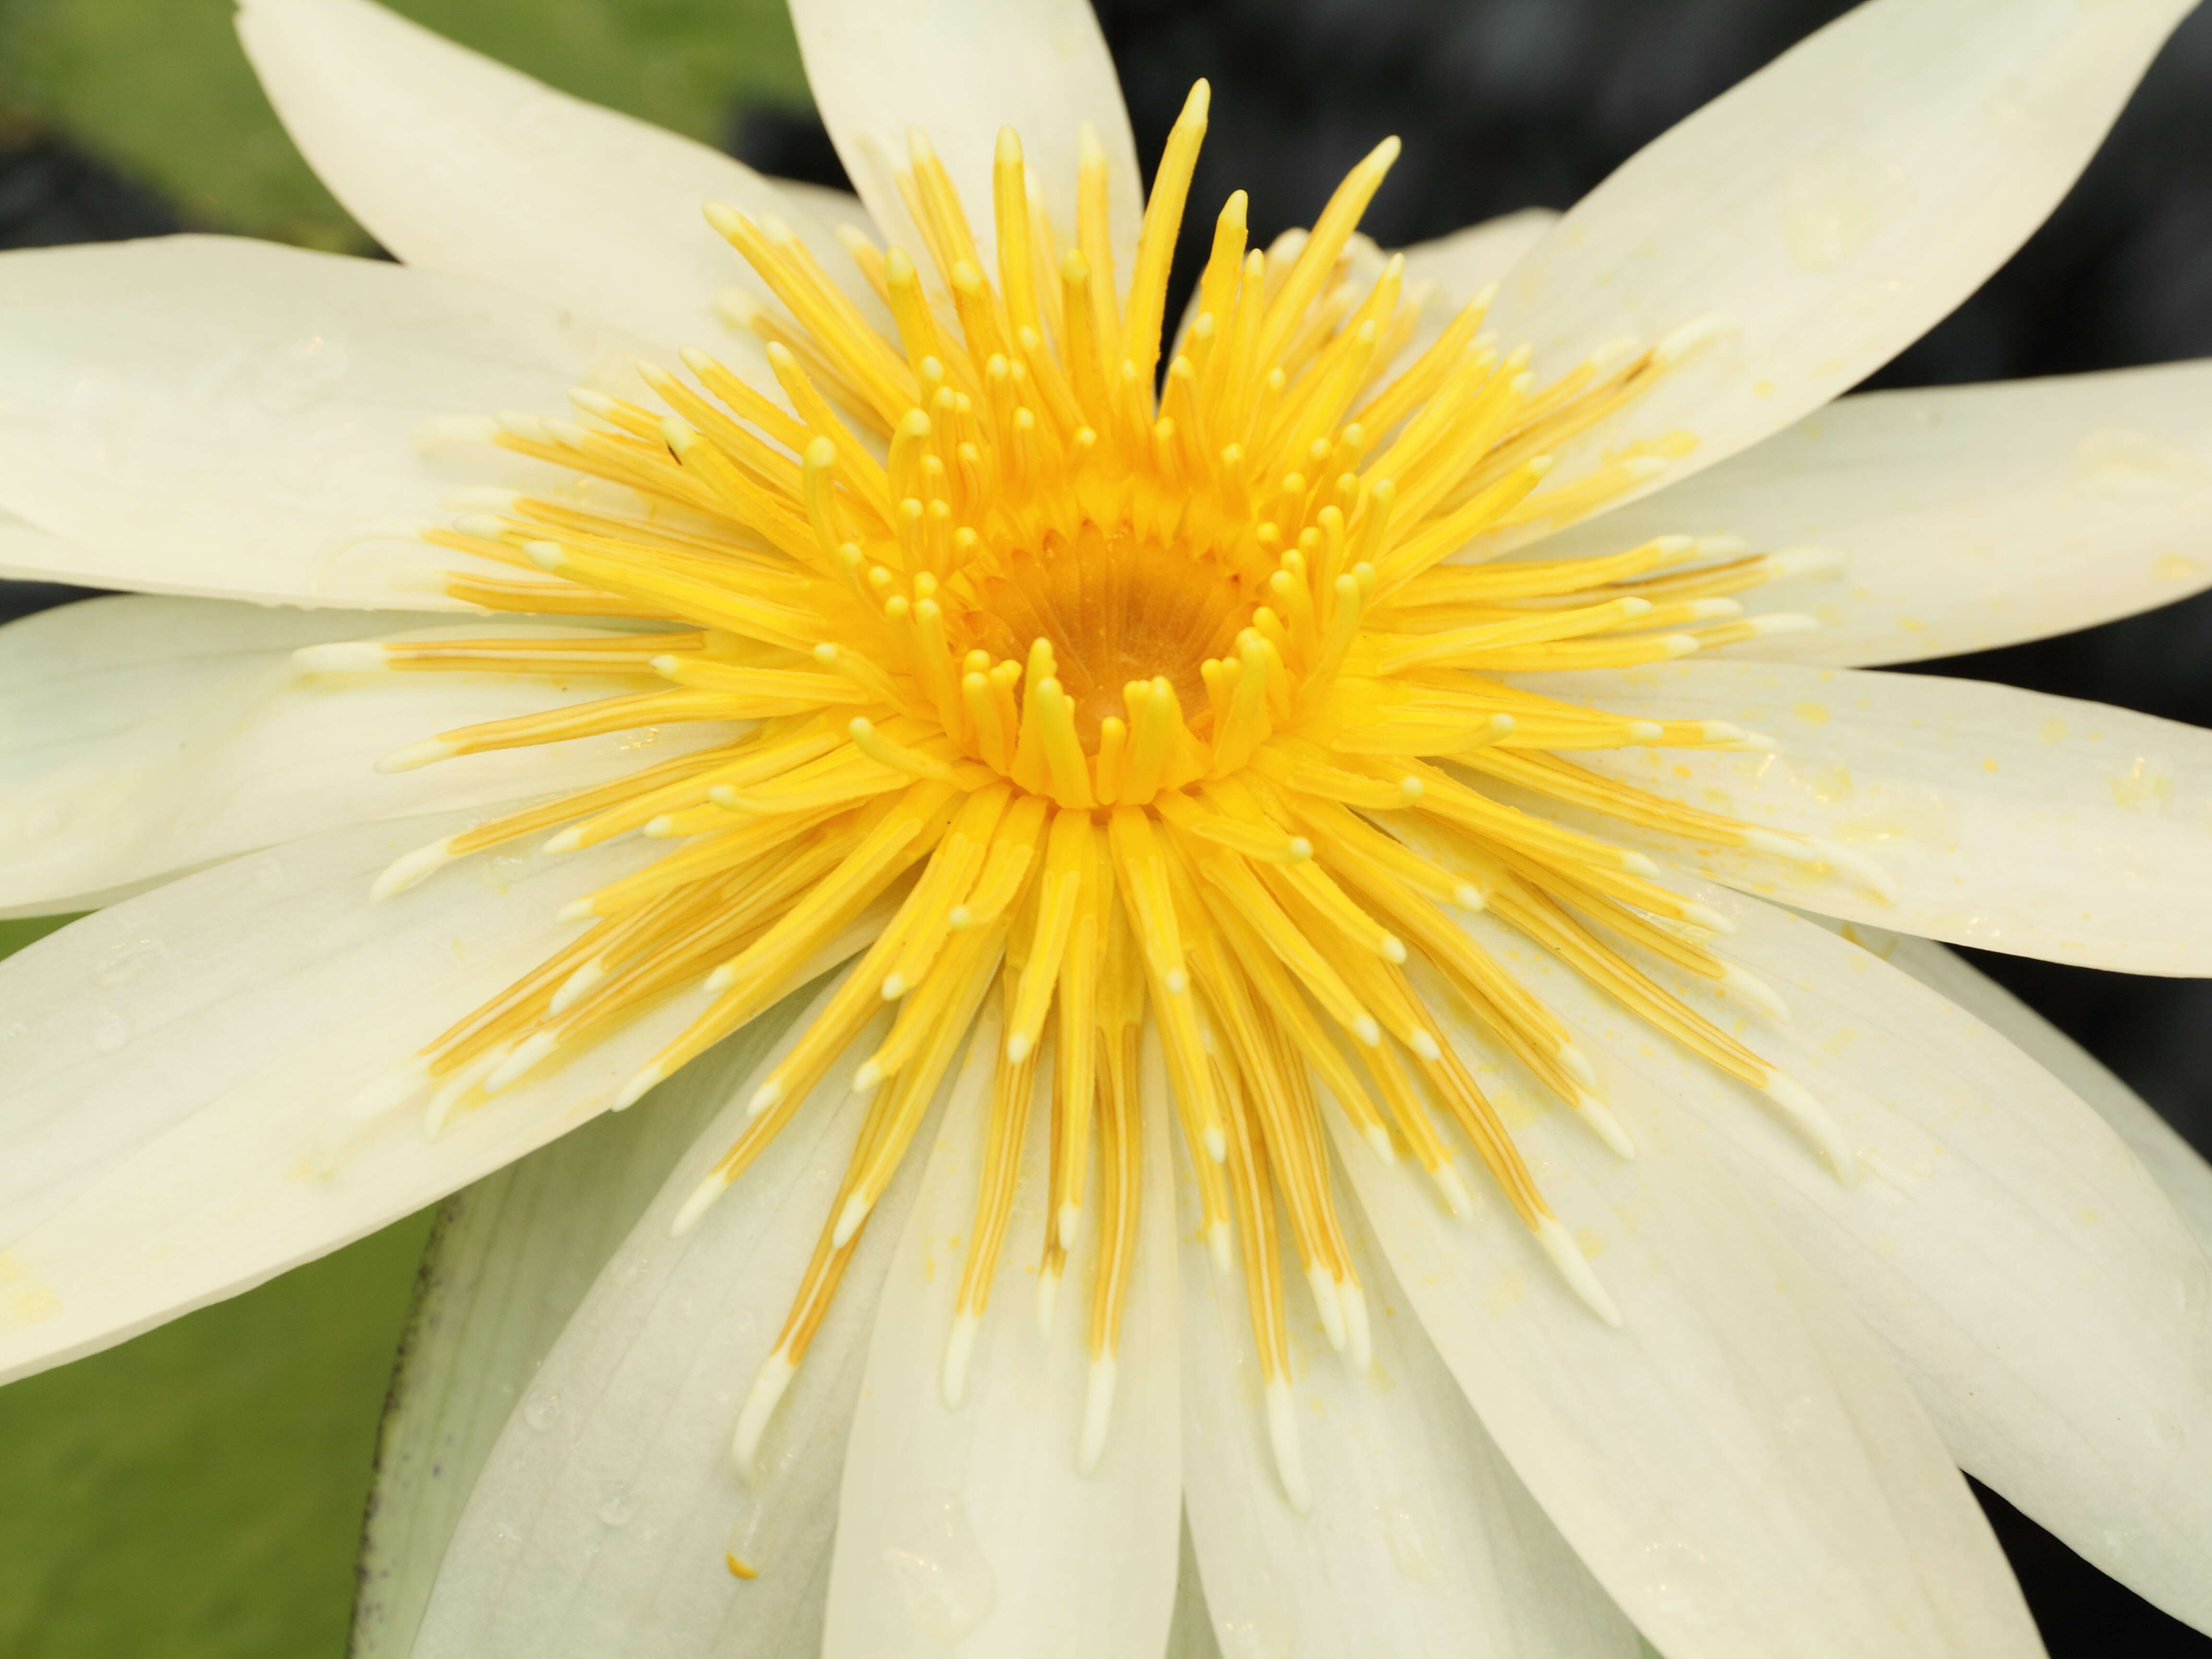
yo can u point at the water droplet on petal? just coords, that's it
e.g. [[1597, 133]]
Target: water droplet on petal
[[542, 1409], [944, 1584]]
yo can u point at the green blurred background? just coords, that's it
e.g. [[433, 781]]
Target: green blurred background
[[197, 1493]]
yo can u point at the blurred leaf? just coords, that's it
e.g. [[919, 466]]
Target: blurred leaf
[[162, 87], [196, 1493]]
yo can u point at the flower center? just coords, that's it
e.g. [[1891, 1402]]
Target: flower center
[[1119, 609], [1091, 706]]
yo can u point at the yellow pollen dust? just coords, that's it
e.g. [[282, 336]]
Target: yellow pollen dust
[[1092, 696]]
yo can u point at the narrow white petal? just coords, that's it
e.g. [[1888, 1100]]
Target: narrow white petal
[[2042, 1297], [608, 1515], [1460, 266], [2180, 1169], [2002, 818], [179, 1062], [208, 415], [511, 1260], [960, 70], [1829, 209], [456, 162], [1960, 518], [976, 1527], [143, 736], [1419, 1540], [1739, 1464]]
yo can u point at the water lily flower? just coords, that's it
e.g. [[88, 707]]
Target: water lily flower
[[1298, 823]]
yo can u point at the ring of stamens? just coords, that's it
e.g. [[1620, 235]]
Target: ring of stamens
[[1119, 694]]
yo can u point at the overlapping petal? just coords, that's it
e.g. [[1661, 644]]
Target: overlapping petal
[[960, 70], [2042, 1297], [2177, 1167], [208, 415], [1827, 211], [1420, 1540], [512, 1259], [1963, 517], [172, 1111], [140, 737], [2037, 825], [1741, 1465], [974, 1526], [459, 164], [606, 1518]]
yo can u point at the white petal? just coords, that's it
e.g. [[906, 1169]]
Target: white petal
[[2177, 1167], [210, 415], [1829, 209], [177, 1065], [606, 1518], [511, 1260], [2043, 1298], [1420, 1540], [2006, 819], [973, 1526], [1741, 1465], [140, 737], [960, 70], [460, 164], [1468, 261], [832, 206], [1964, 517]]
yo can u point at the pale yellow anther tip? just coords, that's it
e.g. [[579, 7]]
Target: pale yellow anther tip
[[1098, 1414], [638, 1087], [1217, 1142], [1047, 1299], [546, 555], [761, 1401], [1220, 1245], [959, 1349], [696, 1205], [1813, 1121], [764, 1097], [893, 986], [1393, 948], [582, 909], [411, 868], [1574, 1266], [348, 657], [727, 221], [1367, 1031], [565, 841], [1018, 1047], [1600, 1118], [430, 749]]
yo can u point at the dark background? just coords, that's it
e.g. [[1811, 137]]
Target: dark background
[[1505, 103]]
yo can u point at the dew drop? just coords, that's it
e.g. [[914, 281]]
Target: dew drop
[[109, 1032], [1411, 1539], [945, 1585], [1837, 202], [506, 1533], [125, 964], [295, 376], [1689, 1584], [617, 1510], [542, 1409]]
